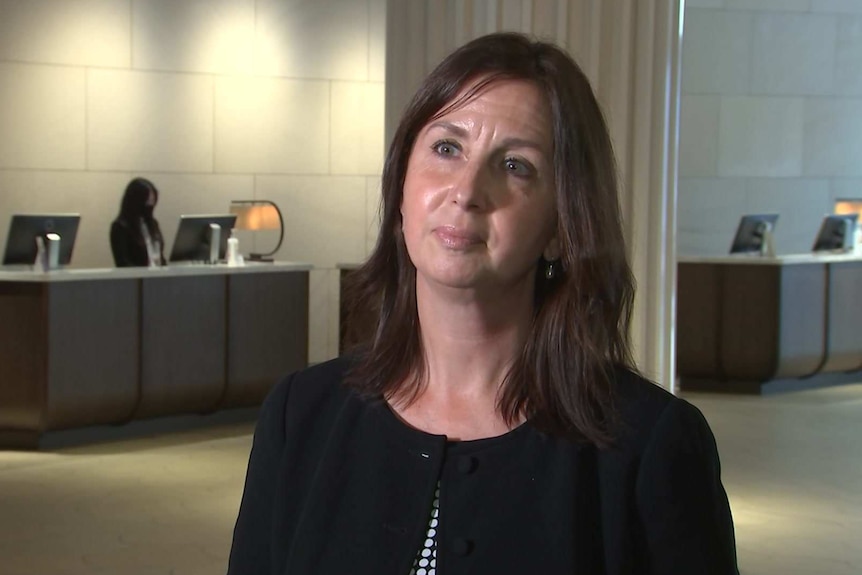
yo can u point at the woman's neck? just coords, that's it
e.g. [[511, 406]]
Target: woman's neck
[[470, 342]]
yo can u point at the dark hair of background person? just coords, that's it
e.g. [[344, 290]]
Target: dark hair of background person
[[134, 207], [563, 379]]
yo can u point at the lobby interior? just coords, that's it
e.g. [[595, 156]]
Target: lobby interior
[[161, 497]]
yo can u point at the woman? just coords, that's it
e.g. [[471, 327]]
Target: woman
[[492, 421], [136, 238]]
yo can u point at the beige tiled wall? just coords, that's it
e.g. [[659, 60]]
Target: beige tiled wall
[[42, 117], [760, 137], [848, 55], [716, 52], [328, 39], [775, 5], [154, 121], [372, 211], [212, 37], [833, 137], [80, 33], [211, 99], [771, 117], [272, 125], [698, 149], [793, 54], [837, 6], [357, 111]]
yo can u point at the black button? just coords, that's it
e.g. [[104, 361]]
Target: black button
[[466, 464], [462, 546]]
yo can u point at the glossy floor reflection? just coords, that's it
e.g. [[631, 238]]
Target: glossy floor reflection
[[153, 506], [792, 464]]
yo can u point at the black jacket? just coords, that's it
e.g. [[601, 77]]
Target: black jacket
[[128, 247], [338, 485]]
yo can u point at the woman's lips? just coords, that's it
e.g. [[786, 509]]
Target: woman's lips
[[456, 239]]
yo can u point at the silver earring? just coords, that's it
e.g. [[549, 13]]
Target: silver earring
[[550, 271]]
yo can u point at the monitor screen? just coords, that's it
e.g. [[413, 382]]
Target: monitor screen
[[192, 242], [836, 233], [750, 232], [25, 228]]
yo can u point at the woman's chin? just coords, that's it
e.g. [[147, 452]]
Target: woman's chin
[[455, 279], [475, 281]]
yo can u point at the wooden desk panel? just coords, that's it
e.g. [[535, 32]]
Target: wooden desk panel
[[93, 345], [698, 312], [802, 321], [781, 320], [89, 347], [267, 334], [844, 331], [749, 326], [23, 356], [183, 343]]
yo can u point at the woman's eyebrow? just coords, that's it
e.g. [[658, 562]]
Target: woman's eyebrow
[[448, 127], [461, 132], [522, 143]]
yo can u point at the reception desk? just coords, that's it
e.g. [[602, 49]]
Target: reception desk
[[750, 324], [89, 347]]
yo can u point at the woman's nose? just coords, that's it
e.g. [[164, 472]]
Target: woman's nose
[[473, 187]]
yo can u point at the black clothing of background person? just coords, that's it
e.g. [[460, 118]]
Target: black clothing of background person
[[128, 245]]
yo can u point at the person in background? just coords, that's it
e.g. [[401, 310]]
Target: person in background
[[492, 420], [136, 238]]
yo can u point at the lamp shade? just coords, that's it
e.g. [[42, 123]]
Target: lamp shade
[[258, 215]]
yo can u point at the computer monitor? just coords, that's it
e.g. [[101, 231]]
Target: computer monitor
[[25, 228], [192, 242], [751, 233], [836, 233]]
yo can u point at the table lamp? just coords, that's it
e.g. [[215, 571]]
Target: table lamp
[[257, 215]]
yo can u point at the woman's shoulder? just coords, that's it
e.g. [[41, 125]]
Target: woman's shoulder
[[644, 408], [315, 389], [637, 395], [322, 378], [311, 404]]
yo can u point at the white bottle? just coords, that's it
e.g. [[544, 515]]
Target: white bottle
[[767, 244], [233, 257], [52, 246], [215, 237]]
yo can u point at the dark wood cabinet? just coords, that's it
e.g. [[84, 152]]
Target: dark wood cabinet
[[84, 348], [748, 324]]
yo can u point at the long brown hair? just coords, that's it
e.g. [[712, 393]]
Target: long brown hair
[[563, 379]]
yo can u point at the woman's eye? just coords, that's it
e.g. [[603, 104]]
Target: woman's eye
[[518, 167], [445, 148]]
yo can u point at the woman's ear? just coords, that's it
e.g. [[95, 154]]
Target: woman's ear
[[552, 250]]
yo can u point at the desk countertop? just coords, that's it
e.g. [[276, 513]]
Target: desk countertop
[[790, 259], [26, 273]]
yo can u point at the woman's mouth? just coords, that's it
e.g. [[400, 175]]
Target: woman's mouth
[[456, 238]]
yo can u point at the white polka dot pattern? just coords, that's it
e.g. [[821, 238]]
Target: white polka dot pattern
[[426, 560]]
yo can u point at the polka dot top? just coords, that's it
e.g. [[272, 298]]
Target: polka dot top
[[426, 560]]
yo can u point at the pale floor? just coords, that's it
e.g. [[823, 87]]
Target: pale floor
[[792, 464]]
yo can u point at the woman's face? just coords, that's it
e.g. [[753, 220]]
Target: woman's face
[[478, 207]]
